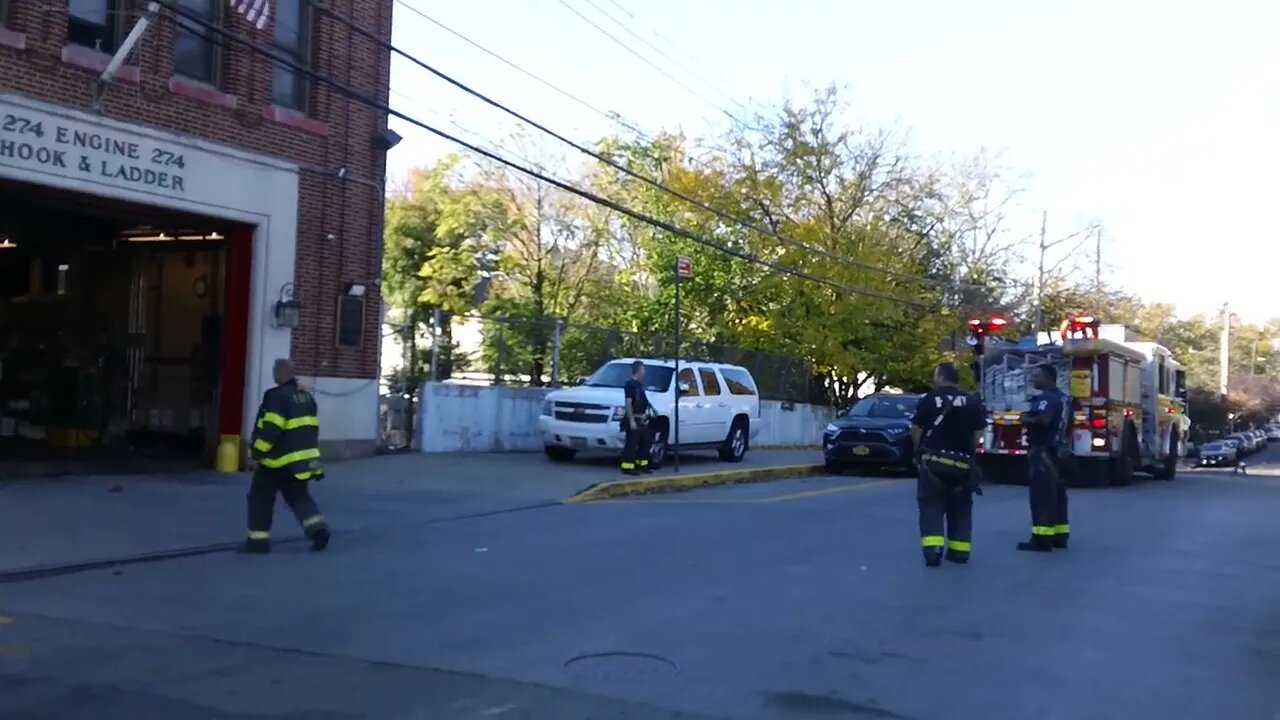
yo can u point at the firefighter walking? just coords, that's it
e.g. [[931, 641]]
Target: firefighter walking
[[946, 428], [635, 424], [1045, 425], [286, 449]]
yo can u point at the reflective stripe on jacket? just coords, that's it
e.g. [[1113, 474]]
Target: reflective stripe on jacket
[[287, 434]]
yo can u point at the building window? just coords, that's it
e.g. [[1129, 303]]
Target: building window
[[293, 34], [195, 49], [4, 13], [98, 24]]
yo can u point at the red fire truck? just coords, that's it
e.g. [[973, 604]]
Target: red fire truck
[[1128, 400]]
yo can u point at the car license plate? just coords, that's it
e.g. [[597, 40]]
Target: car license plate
[[578, 442], [861, 450]]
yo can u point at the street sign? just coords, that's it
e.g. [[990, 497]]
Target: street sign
[[684, 267]]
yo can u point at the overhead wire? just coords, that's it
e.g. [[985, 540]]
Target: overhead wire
[[664, 54], [656, 184], [175, 9], [608, 115]]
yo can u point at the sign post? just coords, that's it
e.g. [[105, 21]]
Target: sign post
[[684, 269]]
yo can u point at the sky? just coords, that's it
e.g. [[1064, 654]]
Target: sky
[[1158, 120]]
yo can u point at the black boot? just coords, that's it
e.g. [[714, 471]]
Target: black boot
[[932, 558], [1036, 544], [1060, 543], [320, 540], [959, 558], [254, 547]]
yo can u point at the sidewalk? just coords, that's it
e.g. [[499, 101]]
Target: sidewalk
[[58, 521]]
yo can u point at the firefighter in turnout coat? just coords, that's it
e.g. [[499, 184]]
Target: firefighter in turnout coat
[[286, 450]]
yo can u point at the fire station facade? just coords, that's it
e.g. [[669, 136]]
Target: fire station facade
[[159, 248]]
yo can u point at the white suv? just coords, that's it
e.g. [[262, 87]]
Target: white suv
[[719, 409]]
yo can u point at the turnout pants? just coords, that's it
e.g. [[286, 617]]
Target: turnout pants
[[262, 501], [635, 453], [1048, 493], [946, 515]]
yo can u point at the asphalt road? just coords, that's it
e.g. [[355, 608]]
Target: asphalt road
[[798, 599]]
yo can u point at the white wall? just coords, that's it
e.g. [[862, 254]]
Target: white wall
[[469, 418], [215, 181]]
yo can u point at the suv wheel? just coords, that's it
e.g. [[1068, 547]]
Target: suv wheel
[[559, 454], [735, 445], [658, 447]]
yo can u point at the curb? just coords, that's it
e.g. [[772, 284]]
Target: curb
[[682, 483]]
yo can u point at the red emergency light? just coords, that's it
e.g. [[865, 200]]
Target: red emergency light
[[997, 322], [1099, 423]]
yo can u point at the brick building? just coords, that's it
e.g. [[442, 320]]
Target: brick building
[[214, 211]]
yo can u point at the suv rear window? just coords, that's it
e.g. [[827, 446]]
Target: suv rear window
[[738, 381]]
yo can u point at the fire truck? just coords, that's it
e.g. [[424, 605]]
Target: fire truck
[[1128, 400]]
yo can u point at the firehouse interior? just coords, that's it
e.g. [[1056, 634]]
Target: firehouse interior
[[111, 335]]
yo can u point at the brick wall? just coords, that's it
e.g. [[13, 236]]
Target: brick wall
[[37, 60]]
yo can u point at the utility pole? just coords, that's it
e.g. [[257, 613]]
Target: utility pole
[[1039, 317], [1224, 350]]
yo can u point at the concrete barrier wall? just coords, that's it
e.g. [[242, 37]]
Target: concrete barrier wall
[[469, 418]]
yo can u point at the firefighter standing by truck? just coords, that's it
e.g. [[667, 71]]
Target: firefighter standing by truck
[[1045, 426], [945, 430], [635, 424], [286, 448]]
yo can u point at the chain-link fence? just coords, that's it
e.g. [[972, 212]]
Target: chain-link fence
[[489, 350]]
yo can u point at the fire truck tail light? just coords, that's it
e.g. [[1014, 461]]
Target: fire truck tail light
[[1099, 423], [998, 322], [1099, 442]]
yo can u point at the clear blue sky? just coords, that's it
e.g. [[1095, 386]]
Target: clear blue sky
[[1157, 119]]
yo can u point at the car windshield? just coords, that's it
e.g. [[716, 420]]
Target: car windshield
[[616, 374], [903, 407], [1214, 446]]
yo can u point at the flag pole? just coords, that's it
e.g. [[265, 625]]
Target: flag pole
[[126, 47]]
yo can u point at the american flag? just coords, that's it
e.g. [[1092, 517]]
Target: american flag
[[255, 11]]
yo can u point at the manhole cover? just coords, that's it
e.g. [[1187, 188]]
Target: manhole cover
[[619, 666]]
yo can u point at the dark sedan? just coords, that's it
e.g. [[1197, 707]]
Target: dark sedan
[[875, 432]]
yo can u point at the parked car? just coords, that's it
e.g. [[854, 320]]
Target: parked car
[[875, 432], [719, 410], [1218, 453], [1260, 436], [1273, 431], [1248, 444]]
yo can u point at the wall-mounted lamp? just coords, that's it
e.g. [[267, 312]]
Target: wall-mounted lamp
[[354, 289], [288, 310], [7, 244]]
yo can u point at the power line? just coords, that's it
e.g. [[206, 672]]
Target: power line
[[669, 43], [662, 53], [657, 185], [608, 115], [357, 96], [647, 61]]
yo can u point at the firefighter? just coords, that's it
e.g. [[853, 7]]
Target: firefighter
[[287, 456], [945, 430], [1045, 425], [635, 424]]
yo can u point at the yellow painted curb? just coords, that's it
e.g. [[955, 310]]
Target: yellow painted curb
[[680, 483]]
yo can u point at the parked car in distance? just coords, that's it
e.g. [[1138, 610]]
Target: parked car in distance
[[719, 410], [1218, 453], [1248, 444], [1273, 431], [874, 433], [1260, 435]]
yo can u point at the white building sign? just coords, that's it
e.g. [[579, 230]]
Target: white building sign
[[58, 145]]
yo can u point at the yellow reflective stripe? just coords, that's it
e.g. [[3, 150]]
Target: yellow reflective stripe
[[628, 466], [304, 421], [274, 418], [289, 458], [931, 541], [261, 445], [1043, 530], [313, 520], [1063, 529], [259, 535], [959, 545], [642, 463]]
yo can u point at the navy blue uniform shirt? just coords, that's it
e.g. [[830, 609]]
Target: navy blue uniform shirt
[[964, 417], [1049, 402]]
